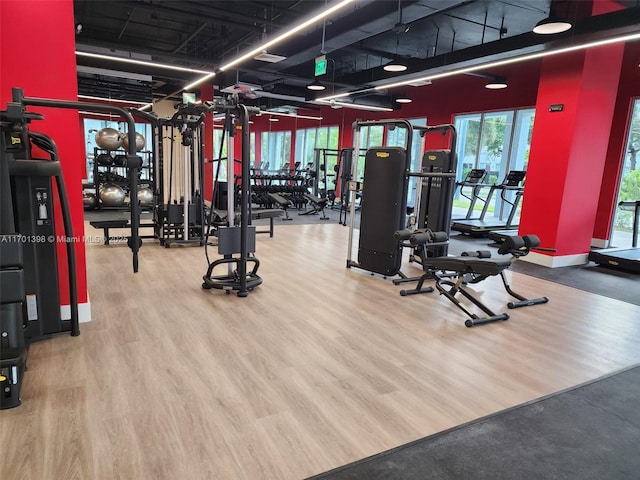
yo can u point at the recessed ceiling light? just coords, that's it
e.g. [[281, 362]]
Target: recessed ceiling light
[[496, 84], [394, 67]]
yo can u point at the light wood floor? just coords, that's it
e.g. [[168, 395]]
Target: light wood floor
[[319, 366]]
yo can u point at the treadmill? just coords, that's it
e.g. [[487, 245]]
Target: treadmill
[[474, 179], [622, 258], [481, 227]]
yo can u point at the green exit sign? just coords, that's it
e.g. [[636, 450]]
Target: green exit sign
[[321, 65], [188, 97]]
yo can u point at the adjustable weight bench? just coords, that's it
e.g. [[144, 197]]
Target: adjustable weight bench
[[317, 206], [451, 274], [283, 202]]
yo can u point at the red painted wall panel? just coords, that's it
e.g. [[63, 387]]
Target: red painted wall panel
[[37, 45]]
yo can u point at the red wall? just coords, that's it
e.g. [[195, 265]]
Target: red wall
[[37, 45]]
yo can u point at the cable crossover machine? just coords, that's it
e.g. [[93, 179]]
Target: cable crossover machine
[[179, 213]]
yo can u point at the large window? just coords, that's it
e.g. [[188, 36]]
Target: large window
[[317, 150], [371, 136], [397, 138], [275, 150], [381, 135], [629, 189], [308, 140], [497, 142], [220, 158]]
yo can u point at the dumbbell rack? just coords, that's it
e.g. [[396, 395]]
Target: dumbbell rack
[[101, 173]]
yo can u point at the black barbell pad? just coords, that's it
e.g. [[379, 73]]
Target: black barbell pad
[[439, 236], [420, 238], [477, 254], [531, 241], [402, 234], [510, 244]]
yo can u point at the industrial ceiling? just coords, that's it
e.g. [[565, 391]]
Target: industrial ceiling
[[358, 40]]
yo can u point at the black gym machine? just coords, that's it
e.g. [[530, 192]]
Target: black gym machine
[[386, 174], [29, 293], [231, 238], [181, 220], [383, 210], [29, 290], [132, 162]]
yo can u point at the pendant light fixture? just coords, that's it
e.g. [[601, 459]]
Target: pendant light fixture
[[497, 83], [399, 28], [316, 86], [554, 23]]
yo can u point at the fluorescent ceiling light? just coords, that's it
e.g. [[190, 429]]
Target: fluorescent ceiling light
[[484, 66], [89, 97], [293, 115], [198, 82], [262, 49], [113, 73], [334, 96], [274, 119], [357, 106], [403, 99], [292, 31], [140, 62], [144, 107]]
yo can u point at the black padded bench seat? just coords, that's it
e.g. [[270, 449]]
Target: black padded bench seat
[[478, 266], [317, 206], [269, 213], [105, 225]]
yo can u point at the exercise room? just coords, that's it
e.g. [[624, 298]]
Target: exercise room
[[320, 239]]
